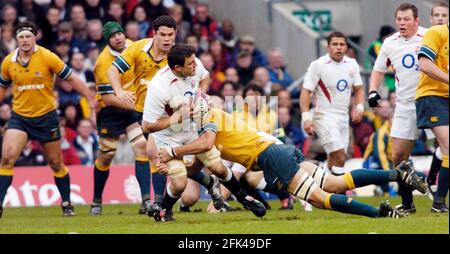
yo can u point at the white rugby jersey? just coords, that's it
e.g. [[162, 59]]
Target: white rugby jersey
[[401, 54], [332, 83], [166, 92]]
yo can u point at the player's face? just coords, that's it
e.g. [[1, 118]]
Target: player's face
[[406, 24], [26, 41], [165, 38], [189, 66], [117, 41], [337, 48], [440, 16]]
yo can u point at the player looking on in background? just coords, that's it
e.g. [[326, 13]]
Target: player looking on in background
[[332, 78], [30, 69]]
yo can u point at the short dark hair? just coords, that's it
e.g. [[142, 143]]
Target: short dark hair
[[438, 4], [27, 25], [336, 35], [178, 54], [408, 6], [254, 87], [166, 21]]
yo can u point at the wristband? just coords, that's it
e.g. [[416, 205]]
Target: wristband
[[360, 108], [306, 116]]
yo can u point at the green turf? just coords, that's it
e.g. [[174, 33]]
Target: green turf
[[124, 219]]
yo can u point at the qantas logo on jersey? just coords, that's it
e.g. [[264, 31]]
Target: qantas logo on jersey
[[30, 87]]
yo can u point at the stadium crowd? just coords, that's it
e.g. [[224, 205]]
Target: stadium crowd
[[73, 29]]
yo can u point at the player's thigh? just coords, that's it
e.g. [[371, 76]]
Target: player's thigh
[[330, 134], [107, 149], [441, 133], [191, 193], [303, 186], [402, 148], [137, 140], [253, 178], [52, 151], [13, 143], [404, 122]]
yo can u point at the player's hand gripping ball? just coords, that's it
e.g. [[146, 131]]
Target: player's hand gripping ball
[[200, 108]]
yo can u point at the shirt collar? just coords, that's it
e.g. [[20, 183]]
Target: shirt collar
[[16, 53]]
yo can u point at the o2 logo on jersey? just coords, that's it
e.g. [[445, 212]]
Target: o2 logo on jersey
[[342, 85], [408, 61]]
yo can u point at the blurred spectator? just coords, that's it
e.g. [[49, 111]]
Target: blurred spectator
[[69, 153], [244, 67], [86, 142], [49, 26], [132, 30], [255, 111], [222, 59], [116, 13], [374, 50], [94, 10], [77, 64], [247, 43], [5, 114], [217, 77], [31, 155], [192, 40], [277, 68], [226, 35], [154, 8], [190, 5], [208, 25], [66, 33], [62, 49], [92, 52], [140, 16], [72, 115], [361, 130], [9, 16], [232, 75], [284, 100], [186, 11], [69, 133], [79, 21], [30, 11], [229, 91], [61, 5], [67, 95], [8, 41], [183, 27], [261, 75], [289, 133], [94, 31]]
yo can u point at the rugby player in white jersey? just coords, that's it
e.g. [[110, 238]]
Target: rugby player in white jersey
[[400, 51], [331, 78], [167, 112]]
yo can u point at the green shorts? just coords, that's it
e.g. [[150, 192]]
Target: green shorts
[[431, 111], [279, 163], [112, 121], [43, 128]]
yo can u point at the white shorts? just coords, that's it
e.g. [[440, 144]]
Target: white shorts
[[404, 123], [333, 134]]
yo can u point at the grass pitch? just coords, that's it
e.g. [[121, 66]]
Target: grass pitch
[[117, 219]]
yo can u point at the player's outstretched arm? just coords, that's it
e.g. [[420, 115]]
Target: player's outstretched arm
[[114, 78], [82, 89], [203, 144], [113, 100], [430, 69]]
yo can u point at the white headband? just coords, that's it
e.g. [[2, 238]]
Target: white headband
[[24, 30]]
